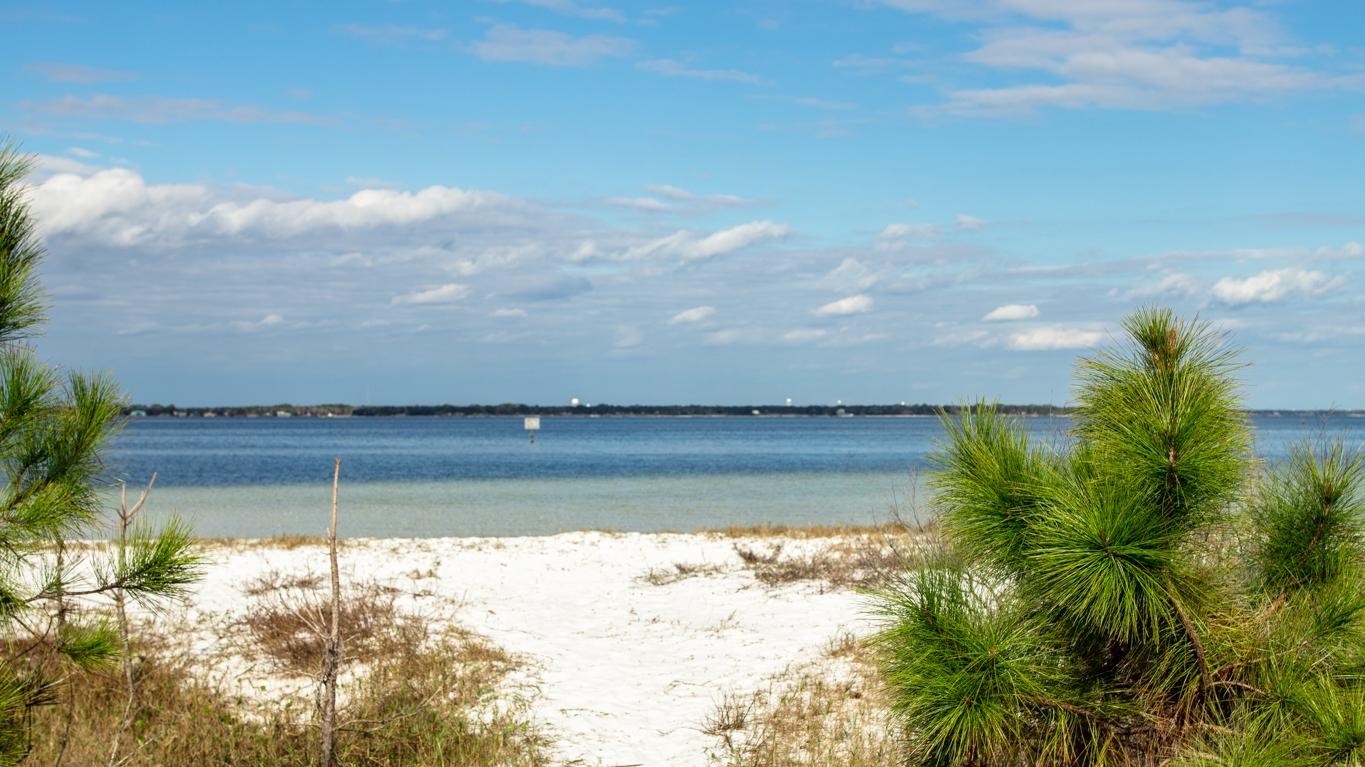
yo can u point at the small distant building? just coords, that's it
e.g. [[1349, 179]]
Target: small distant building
[[138, 414], [283, 414], [210, 414]]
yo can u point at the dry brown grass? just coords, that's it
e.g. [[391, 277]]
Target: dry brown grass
[[422, 697], [824, 715], [814, 531], [662, 576], [853, 561], [288, 618], [287, 542]]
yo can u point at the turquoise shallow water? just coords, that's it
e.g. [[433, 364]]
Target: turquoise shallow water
[[423, 477], [539, 507]]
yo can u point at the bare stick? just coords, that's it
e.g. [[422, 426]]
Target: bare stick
[[328, 704], [125, 521]]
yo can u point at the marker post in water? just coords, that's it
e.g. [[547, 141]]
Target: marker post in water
[[532, 426]]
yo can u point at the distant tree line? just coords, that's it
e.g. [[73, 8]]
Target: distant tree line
[[510, 409]]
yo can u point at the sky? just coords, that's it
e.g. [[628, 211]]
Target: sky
[[665, 202]]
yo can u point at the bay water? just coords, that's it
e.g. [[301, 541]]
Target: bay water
[[427, 477]]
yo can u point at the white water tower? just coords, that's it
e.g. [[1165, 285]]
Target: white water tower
[[789, 402], [573, 402]]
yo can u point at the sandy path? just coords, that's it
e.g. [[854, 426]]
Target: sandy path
[[621, 672]]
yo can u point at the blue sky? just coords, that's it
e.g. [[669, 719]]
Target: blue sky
[[532, 200]]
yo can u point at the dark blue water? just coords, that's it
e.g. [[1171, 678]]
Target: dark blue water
[[276, 451], [480, 476], [216, 452]]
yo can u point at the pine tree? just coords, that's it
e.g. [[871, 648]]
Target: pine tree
[[1141, 593], [54, 426]]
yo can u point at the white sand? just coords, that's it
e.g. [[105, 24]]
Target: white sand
[[620, 671]]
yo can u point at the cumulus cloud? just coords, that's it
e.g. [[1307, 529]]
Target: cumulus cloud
[[441, 294], [850, 275], [117, 207], [1177, 283], [505, 42], [1051, 338], [695, 314], [690, 247], [1011, 312], [856, 304], [1273, 285], [732, 239]]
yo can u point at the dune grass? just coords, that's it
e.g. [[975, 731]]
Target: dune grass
[[832, 713], [421, 697]]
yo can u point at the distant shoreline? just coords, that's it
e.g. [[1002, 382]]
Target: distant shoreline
[[517, 410]]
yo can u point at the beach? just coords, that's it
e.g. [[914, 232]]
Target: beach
[[626, 645]]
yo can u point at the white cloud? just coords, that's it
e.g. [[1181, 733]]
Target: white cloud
[[857, 304], [1134, 54], [1011, 312], [508, 313], [1050, 338], [1177, 283], [732, 239], [1273, 285], [47, 165], [117, 207], [441, 294], [678, 194], [268, 321], [968, 223], [732, 336], [673, 68], [850, 275], [639, 203], [963, 338], [689, 247], [804, 335], [505, 42], [902, 231], [695, 314], [84, 154]]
